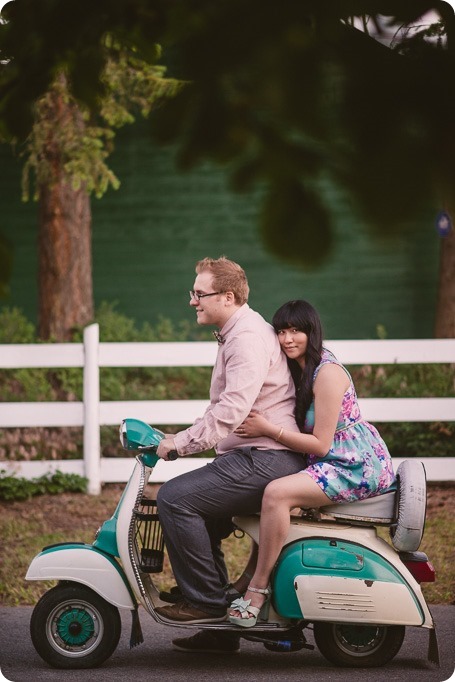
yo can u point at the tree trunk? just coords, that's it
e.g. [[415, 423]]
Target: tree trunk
[[64, 242], [445, 310], [65, 261]]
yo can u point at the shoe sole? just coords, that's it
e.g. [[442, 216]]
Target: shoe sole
[[194, 621]]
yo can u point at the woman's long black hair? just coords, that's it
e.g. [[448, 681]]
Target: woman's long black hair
[[302, 316]]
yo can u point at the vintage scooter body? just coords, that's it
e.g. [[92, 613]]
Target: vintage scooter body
[[334, 573]]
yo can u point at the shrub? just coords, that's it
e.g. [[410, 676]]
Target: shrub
[[419, 439], [14, 488], [15, 328]]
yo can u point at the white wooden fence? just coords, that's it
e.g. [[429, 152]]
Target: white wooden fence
[[92, 413]]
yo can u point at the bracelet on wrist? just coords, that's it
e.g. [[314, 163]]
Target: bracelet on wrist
[[279, 435]]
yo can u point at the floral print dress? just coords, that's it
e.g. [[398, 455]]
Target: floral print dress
[[358, 465]]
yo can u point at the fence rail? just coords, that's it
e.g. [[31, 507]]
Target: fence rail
[[92, 413]]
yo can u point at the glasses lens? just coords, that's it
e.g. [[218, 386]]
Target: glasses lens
[[194, 295]]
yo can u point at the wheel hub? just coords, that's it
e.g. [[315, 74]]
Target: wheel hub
[[75, 627], [359, 639]]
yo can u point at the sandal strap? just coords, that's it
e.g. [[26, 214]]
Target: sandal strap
[[259, 590], [244, 608], [251, 610]]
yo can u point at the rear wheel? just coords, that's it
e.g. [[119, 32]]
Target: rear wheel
[[358, 646], [73, 627]]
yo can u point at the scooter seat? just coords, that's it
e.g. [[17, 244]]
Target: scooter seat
[[379, 509]]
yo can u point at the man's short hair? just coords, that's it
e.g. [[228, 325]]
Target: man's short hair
[[227, 276]]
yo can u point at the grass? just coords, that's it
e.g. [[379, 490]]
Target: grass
[[26, 527], [438, 544]]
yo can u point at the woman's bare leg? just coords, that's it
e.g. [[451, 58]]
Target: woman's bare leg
[[280, 496]]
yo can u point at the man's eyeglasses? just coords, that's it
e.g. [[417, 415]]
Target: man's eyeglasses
[[197, 296]]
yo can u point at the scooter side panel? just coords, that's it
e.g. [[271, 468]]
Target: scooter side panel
[[83, 564], [329, 598], [333, 580]]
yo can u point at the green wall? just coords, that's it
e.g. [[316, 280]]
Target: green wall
[[148, 235]]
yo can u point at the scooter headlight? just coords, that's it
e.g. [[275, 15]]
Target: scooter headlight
[[123, 435]]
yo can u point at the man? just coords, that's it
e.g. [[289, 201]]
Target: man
[[196, 508]]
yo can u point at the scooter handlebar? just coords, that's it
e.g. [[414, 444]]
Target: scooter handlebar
[[172, 455]]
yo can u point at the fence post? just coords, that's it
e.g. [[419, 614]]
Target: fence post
[[91, 398]]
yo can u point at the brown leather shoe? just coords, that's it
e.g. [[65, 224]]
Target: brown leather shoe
[[186, 613]]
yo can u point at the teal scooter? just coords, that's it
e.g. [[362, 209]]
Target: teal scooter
[[335, 575]]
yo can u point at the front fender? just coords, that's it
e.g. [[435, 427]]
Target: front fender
[[86, 565]]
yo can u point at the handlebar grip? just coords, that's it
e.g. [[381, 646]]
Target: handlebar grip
[[172, 455]]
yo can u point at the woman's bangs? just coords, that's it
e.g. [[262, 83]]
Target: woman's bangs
[[283, 321]]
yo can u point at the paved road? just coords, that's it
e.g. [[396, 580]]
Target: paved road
[[155, 660]]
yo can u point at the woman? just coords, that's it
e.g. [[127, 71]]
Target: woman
[[347, 458]]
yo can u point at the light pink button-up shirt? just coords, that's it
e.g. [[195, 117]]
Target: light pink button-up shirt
[[250, 372]]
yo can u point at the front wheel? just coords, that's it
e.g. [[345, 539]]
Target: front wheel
[[358, 646], [72, 627]]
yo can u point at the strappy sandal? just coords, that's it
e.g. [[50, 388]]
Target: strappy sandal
[[249, 614]]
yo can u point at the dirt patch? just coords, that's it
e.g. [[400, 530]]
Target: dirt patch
[[440, 497]]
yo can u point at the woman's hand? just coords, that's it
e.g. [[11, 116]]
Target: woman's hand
[[254, 425]]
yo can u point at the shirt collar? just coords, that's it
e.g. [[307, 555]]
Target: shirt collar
[[221, 335]]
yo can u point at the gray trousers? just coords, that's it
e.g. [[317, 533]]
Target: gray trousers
[[195, 512]]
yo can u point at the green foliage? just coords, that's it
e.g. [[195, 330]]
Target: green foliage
[[146, 383], [411, 439], [62, 131], [299, 90], [21, 384], [15, 328], [6, 265], [26, 385], [419, 439], [14, 488], [404, 381], [133, 85], [66, 130]]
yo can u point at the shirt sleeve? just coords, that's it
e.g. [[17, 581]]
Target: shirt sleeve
[[246, 365]]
